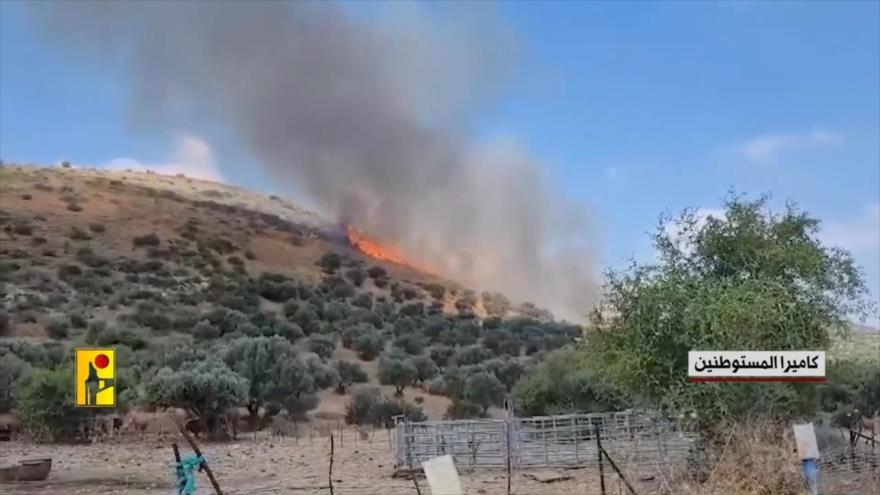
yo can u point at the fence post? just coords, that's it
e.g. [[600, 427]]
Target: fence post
[[412, 473], [507, 442], [599, 453], [330, 471]]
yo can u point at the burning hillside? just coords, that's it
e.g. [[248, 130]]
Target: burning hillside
[[385, 250], [335, 106]]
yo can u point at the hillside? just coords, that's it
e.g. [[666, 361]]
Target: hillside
[[174, 271]]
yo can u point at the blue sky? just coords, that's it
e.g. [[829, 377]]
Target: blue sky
[[634, 108]]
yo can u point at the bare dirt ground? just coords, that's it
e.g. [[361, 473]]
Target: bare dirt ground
[[265, 466]]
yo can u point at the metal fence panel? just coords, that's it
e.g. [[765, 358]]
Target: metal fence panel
[[547, 441]]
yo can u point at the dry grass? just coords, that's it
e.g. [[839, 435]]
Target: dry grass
[[761, 459]]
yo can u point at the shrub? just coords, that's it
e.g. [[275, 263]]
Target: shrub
[[277, 287], [298, 406], [23, 228], [462, 409], [437, 291], [13, 369], [370, 317], [290, 331], [205, 330], [398, 373], [368, 406], [57, 327], [368, 345], [307, 319], [100, 334], [74, 206], [363, 300], [77, 234], [336, 311], [377, 272], [322, 345], [562, 383], [436, 386], [27, 197], [358, 409], [386, 410], [250, 255], [412, 309], [330, 262], [97, 228], [45, 405], [150, 239], [357, 276]]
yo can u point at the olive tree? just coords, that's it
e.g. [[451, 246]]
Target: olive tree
[[205, 390], [397, 372], [485, 390], [271, 368]]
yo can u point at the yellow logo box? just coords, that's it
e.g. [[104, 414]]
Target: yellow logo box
[[95, 377]]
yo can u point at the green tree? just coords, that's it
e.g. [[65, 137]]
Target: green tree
[[368, 345], [272, 369], [746, 279], [563, 383], [205, 390], [441, 355], [410, 343], [45, 404], [349, 373], [508, 371], [12, 370], [474, 354], [425, 368], [396, 372], [322, 345], [485, 390], [330, 262], [323, 375], [462, 409]]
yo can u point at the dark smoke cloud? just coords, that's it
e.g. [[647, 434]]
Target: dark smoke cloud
[[369, 116]]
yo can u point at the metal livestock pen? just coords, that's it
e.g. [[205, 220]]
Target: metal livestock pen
[[638, 440]]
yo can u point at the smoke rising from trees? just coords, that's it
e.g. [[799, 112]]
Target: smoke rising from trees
[[371, 116]]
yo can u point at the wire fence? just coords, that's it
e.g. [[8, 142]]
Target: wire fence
[[553, 455], [641, 444], [851, 469]]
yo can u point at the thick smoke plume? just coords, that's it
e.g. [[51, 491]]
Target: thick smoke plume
[[368, 115]]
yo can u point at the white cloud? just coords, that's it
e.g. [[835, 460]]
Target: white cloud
[[193, 157], [767, 147], [857, 234]]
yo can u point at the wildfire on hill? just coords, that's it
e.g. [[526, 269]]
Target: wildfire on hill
[[385, 250]]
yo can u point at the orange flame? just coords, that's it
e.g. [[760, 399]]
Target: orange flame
[[386, 251]]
